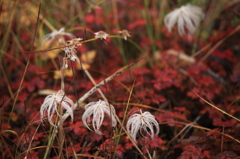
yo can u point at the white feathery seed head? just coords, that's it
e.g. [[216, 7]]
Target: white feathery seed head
[[69, 50], [125, 34], [101, 35], [52, 103], [143, 123], [187, 16], [56, 34], [97, 110]]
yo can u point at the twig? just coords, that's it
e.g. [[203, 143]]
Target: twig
[[61, 47], [216, 107], [7, 82], [30, 144], [34, 36], [187, 128], [91, 79]]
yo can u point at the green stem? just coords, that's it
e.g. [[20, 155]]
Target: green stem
[[148, 26], [124, 117], [52, 134], [18, 91], [84, 12], [119, 42]]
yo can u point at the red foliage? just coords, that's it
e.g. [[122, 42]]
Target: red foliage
[[191, 151], [181, 109], [148, 143], [150, 97], [230, 123], [220, 35], [141, 71], [139, 22], [89, 18], [166, 117], [36, 82], [109, 147], [128, 146], [215, 133], [166, 78], [161, 80], [75, 148], [226, 155], [95, 137], [4, 126], [235, 77], [78, 128]]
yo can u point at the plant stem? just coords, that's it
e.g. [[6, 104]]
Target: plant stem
[[148, 26], [124, 117]]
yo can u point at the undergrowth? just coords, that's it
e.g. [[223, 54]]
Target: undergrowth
[[179, 85]]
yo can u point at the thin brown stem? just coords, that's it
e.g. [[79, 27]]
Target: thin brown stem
[[62, 73]]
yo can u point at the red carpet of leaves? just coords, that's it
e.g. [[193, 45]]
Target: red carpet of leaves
[[167, 89]]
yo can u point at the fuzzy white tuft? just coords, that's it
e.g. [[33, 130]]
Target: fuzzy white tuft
[[51, 104], [187, 16], [56, 34], [97, 109], [101, 35], [142, 122]]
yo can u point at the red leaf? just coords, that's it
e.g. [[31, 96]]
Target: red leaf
[[77, 128], [120, 151], [191, 151], [128, 146], [225, 123], [141, 94], [108, 145], [166, 79], [23, 96], [89, 18], [148, 143], [153, 143], [95, 137], [206, 153], [141, 71], [87, 149], [157, 85], [75, 147], [136, 23], [167, 116], [214, 133], [181, 109], [30, 87], [189, 148], [4, 127]]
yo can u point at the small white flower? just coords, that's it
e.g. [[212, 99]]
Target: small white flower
[[142, 122], [66, 65], [188, 16], [56, 34], [70, 52], [125, 34], [97, 109], [70, 48], [51, 104], [101, 35], [75, 41]]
